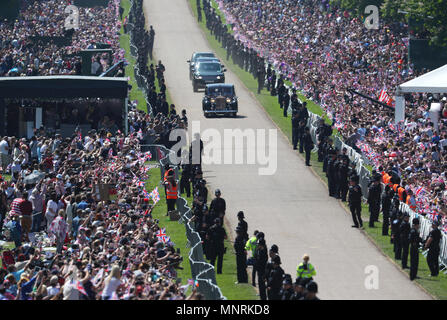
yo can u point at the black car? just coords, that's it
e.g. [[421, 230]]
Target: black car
[[220, 99], [194, 57], [202, 59], [206, 72]]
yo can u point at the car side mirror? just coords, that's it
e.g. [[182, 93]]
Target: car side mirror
[[224, 70], [189, 61]]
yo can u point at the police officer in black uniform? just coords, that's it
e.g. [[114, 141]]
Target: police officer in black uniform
[[331, 173], [432, 244], [328, 150], [286, 102], [374, 197], [274, 279], [395, 234], [281, 90], [218, 205], [404, 240], [386, 207], [216, 236], [355, 202], [287, 290], [261, 78], [295, 130], [185, 180], [241, 256], [308, 145], [415, 241], [260, 263], [243, 225], [301, 131], [298, 289], [343, 177]]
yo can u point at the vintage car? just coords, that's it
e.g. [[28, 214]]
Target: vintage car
[[194, 57], [206, 72], [220, 99]]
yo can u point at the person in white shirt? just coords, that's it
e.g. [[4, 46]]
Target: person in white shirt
[[51, 211], [112, 283], [4, 150]]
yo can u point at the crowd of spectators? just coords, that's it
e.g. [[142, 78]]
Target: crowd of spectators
[[76, 209], [324, 51], [34, 45]]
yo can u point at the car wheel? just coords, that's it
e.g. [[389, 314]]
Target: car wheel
[[234, 114], [206, 115]]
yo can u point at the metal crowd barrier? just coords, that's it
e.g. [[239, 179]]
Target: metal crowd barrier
[[201, 270]]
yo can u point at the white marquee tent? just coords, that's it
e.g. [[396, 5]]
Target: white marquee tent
[[432, 82]]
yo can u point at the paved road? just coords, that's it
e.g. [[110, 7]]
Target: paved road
[[292, 206]]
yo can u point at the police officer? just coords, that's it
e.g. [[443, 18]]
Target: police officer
[[415, 241], [281, 90], [343, 176], [286, 102], [305, 269], [311, 291], [374, 195], [243, 225], [216, 235], [274, 279], [241, 256], [273, 252], [287, 290], [295, 130], [298, 289], [386, 207], [395, 234], [432, 244], [260, 263], [261, 78], [355, 202], [328, 150], [331, 173], [301, 131], [404, 239], [185, 180], [218, 206], [308, 145]]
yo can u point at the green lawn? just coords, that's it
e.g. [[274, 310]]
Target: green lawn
[[436, 287], [135, 93], [177, 233]]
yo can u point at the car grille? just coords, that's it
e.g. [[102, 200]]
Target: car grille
[[220, 103]]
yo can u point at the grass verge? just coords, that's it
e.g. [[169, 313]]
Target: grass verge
[[177, 233], [437, 287]]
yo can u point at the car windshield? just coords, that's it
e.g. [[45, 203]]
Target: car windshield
[[209, 67], [203, 55], [221, 91]]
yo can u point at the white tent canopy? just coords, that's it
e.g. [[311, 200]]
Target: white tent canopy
[[432, 82]]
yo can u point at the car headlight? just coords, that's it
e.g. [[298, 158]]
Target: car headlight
[[212, 100], [228, 100], [198, 77], [218, 77]]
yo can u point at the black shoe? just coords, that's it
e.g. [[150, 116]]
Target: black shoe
[[295, 148], [308, 165], [354, 226], [405, 267]]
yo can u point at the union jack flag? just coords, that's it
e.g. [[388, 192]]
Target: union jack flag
[[155, 195], [80, 288], [392, 127], [161, 235]]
